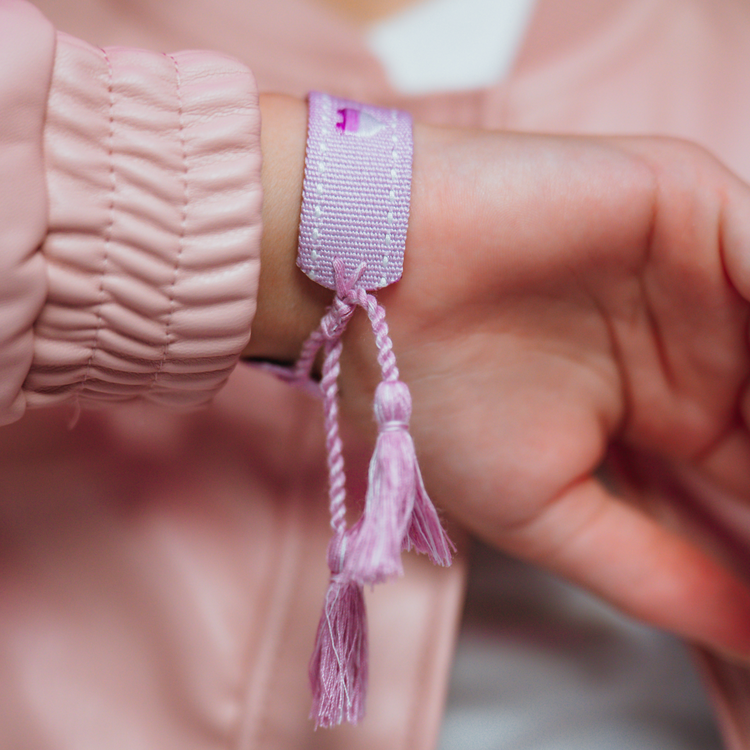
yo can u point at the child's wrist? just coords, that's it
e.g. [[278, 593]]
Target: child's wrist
[[289, 304]]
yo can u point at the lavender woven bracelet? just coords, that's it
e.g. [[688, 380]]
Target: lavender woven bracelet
[[355, 212], [357, 189]]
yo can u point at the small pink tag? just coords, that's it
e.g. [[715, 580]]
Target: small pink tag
[[353, 122]]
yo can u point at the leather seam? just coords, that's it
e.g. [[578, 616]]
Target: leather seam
[[183, 224], [108, 232]]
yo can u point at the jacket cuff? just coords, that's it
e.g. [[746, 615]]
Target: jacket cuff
[[152, 252], [27, 51]]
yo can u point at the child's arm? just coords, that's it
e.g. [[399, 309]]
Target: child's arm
[[561, 296]]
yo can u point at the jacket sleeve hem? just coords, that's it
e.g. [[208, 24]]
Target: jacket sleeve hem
[[153, 248]]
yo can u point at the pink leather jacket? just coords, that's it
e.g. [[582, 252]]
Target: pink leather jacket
[[162, 570], [132, 206]]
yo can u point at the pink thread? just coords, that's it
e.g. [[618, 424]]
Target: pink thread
[[398, 513], [336, 473], [328, 335], [391, 489], [339, 666], [426, 534]]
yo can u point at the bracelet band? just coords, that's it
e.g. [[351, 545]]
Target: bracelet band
[[356, 191], [355, 211]]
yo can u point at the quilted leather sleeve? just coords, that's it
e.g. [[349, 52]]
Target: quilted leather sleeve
[[27, 50], [152, 249]]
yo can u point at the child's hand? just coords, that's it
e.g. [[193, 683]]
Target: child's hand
[[562, 297]]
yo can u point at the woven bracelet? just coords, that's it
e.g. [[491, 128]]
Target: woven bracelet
[[355, 212]]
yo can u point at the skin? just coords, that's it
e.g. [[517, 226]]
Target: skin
[[564, 301], [363, 12]]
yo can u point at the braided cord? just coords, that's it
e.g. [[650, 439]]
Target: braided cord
[[328, 337], [336, 473]]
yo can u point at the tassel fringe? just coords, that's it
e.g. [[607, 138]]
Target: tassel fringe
[[398, 514], [426, 534], [338, 668]]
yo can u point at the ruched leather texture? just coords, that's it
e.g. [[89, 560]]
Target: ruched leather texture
[[27, 49], [152, 251]]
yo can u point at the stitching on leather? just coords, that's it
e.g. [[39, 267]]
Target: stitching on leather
[[183, 224], [110, 221]]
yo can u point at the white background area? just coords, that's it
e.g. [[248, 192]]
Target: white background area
[[449, 45]]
